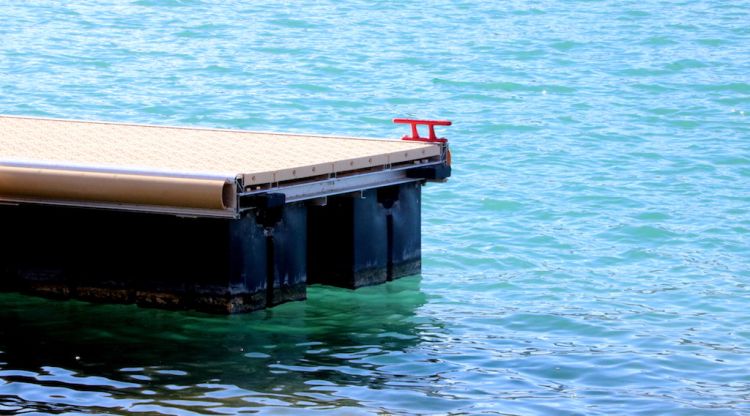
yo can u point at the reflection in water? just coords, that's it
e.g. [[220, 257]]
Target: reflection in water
[[75, 354]]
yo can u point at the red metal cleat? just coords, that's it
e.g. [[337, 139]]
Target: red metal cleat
[[415, 133]]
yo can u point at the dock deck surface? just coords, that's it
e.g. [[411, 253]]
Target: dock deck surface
[[50, 160]]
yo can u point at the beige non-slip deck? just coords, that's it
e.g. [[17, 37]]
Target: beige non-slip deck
[[50, 160]]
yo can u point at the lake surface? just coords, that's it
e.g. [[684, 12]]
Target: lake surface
[[590, 255]]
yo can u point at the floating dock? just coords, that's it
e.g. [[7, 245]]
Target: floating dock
[[222, 221]]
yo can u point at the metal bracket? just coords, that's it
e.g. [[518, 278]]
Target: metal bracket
[[265, 200], [432, 173]]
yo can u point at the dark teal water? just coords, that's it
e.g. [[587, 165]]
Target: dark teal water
[[589, 256]]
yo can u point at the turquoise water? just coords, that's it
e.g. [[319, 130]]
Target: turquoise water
[[589, 256]]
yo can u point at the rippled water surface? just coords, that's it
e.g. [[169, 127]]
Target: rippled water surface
[[591, 254]]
